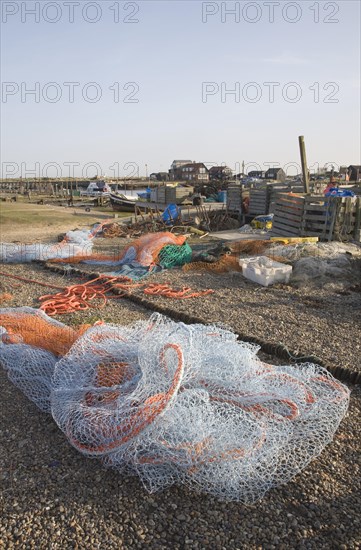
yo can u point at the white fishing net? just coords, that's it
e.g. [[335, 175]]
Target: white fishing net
[[29, 368], [190, 404], [78, 242], [30, 345]]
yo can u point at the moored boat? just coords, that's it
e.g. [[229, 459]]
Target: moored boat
[[124, 203]]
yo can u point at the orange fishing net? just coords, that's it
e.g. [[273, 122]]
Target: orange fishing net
[[144, 250], [224, 265], [252, 247], [28, 326]]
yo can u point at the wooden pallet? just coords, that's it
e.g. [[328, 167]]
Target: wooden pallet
[[288, 215]]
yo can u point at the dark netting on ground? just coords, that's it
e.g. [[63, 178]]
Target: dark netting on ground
[[175, 256], [180, 403]]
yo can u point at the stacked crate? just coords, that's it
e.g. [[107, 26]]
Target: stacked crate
[[177, 195], [166, 195], [275, 190], [263, 199], [328, 218], [234, 197], [332, 218], [258, 201], [160, 196]]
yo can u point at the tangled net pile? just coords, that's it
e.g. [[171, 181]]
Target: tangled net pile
[[143, 251], [163, 247], [223, 265], [75, 243], [178, 403]]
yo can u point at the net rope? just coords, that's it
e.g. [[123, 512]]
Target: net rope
[[176, 403]]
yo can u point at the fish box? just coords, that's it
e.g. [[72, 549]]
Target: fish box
[[264, 271]]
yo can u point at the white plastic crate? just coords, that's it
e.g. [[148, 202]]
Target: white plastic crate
[[264, 271]]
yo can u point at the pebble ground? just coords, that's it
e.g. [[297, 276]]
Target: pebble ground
[[54, 498]]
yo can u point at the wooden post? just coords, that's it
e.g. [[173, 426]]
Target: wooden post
[[71, 195], [306, 183]]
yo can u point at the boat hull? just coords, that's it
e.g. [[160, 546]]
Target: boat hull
[[122, 204]]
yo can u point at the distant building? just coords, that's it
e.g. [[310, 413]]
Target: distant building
[[192, 171], [176, 164], [276, 174], [256, 174], [220, 173], [159, 176], [354, 173]]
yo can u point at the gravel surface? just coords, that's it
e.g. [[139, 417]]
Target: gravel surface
[[53, 497], [324, 322]]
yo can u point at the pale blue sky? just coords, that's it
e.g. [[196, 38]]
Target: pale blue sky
[[169, 53]]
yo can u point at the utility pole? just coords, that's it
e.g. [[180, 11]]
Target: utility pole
[[306, 182]]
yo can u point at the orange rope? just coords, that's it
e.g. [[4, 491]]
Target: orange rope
[[78, 297], [143, 416], [156, 289]]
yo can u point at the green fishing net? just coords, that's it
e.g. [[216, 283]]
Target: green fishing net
[[175, 256]]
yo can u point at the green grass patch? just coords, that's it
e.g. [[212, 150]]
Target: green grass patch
[[20, 214], [33, 215]]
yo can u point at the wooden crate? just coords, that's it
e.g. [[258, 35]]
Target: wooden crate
[[234, 197], [263, 200], [161, 195], [319, 217], [277, 190], [176, 195], [357, 232], [347, 219], [258, 201]]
